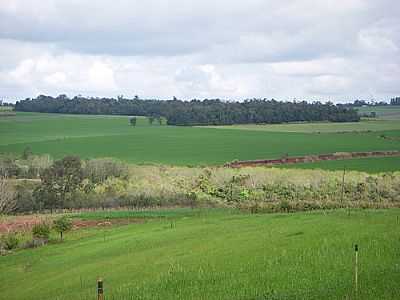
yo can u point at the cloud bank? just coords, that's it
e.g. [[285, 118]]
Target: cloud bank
[[303, 49]]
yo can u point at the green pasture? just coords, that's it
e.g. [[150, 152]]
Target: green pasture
[[216, 255], [371, 165], [112, 136], [321, 127], [5, 108], [34, 127]]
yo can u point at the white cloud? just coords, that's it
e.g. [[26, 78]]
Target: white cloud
[[101, 75], [204, 49]]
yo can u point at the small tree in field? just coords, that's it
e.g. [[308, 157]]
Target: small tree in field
[[151, 120], [62, 225], [132, 121], [27, 152]]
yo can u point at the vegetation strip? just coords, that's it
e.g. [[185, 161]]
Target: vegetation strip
[[311, 158]]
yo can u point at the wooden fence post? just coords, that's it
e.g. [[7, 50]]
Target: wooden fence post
[[356, 270], [100, 291]]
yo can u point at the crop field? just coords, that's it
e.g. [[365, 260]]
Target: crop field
[[375, 165], [214, 254], [112, 136], [322, 127], [5, 108], [382, 112]]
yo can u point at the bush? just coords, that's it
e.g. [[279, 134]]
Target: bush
[[10, 241], [62, 225], [41, 231], [284, 206], [99, 170]]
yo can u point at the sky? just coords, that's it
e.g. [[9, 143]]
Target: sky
[[328, 50]]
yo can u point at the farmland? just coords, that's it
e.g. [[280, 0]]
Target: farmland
[[111, 136], [199, 150], [217, 254], [382, 112], [375, 165], [321, 127]]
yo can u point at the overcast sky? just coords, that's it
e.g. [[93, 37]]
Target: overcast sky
[[306, 49]]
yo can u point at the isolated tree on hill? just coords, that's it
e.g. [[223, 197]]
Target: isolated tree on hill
[[62, 225], [59, 182], [132, 121]]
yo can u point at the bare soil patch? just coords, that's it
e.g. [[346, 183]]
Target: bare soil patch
[[311, 158], [25, 223]]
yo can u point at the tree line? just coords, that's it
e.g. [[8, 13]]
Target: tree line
[[360, 103], [395, 101], [195, 112]]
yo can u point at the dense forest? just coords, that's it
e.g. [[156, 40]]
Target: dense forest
[[195, 112], [395, 101]]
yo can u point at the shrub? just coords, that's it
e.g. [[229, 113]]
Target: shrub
[[284, 205], [99, 170], [10, 241], [41, 231]]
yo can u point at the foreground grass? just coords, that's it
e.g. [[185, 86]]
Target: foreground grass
[[216, 255]]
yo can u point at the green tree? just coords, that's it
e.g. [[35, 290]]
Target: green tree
[[132, 121], [151, 120], [59, 182], [26, 153], [62, 225]]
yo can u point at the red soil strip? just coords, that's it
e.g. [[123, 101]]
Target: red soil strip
[[19, 223], [310, 158], [25, 223]]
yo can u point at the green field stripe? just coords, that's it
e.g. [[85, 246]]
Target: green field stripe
[[370, 165], [183, 146], [318, 127]]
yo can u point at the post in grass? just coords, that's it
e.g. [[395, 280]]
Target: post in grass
[[100, 290], [356, 269]]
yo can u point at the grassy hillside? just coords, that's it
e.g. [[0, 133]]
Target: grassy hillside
[[34, 127], [215, 255], [111, 136]]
